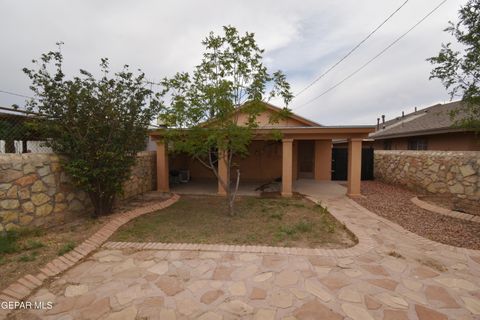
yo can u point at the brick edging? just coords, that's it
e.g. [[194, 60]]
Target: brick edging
[[446, 212], [339, 253], [24, 286]]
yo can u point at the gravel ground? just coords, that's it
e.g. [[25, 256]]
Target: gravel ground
[[393, 203]]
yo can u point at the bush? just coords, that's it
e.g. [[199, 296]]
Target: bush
[[8, 242], [65, 248], [98, 125]]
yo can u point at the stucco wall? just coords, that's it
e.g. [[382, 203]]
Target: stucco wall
[[455, 173], [35, 191], [263, 163]]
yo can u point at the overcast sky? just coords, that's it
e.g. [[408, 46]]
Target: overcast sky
[[302, 38]]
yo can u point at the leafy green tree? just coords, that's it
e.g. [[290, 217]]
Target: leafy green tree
[[99, 125], [204, 106], [459, 71]]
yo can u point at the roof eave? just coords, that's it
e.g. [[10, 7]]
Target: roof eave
[[417, 133]]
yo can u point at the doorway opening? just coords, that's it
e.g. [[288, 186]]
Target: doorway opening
[[306, 159]]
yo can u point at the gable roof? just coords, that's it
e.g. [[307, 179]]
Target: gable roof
[[295, 120], [305, 121], [432, 120]]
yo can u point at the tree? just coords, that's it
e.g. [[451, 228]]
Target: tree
[[204, 110], [98, 125], [460, 71]]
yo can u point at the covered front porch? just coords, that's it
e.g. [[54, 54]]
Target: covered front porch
[[328, 189], [302, 153], [210, 187]]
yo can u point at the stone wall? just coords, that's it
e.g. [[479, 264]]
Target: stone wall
[[452, 173], [35, 191], [143, 177]]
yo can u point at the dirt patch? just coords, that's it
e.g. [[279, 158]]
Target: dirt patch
[[293, 222], [30, 250], [393, 203]]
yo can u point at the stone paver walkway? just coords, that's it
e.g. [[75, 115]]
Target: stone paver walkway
[[397, 275]]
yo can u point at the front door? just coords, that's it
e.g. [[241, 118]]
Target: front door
[[306, 159]]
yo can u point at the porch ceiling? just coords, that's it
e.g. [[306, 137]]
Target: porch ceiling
[[304, 133], [318, 133]]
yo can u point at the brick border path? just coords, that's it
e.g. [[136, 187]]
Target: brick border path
[[446, 212], [25, 286]]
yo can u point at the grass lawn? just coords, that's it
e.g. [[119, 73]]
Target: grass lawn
[[26, 251], [289, 222]]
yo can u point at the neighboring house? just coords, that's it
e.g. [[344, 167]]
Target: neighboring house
[[305, 151], [15, 135], [426, 129]]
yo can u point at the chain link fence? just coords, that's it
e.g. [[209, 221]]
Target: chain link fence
[[17, 134]]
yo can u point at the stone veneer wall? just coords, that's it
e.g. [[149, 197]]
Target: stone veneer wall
[[455, 173], [143, 177], [35, 191]]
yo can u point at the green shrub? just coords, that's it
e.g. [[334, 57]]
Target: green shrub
[[98, 125], [67, 247], [28, 257], [8, 242], [33, 244]]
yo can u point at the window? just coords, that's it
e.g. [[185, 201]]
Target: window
[[417, 144], [387, 145]]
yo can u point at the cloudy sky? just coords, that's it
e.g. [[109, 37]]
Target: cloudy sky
[[302, 38]]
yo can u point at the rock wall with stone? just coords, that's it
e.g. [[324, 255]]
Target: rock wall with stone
[[452, 173], [143, 177], [35, 191]]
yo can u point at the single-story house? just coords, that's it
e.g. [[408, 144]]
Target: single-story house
[[305, 151], [431, 128]]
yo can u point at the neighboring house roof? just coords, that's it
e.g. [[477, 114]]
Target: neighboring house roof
[[12, 117], [432, 120]]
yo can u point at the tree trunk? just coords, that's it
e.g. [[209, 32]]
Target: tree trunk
[[102, 205], [231, 196]]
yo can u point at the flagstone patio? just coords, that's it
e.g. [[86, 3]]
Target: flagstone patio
[[394, 274]]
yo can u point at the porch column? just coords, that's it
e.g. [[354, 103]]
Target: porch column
[[222, 171], [295, 160], [162, 167], [323, 160], [354, 167], [287, 169]]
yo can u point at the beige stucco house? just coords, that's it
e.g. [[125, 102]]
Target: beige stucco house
[[305, 151]]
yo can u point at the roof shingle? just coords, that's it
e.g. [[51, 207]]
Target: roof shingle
[[429, 120]]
